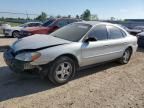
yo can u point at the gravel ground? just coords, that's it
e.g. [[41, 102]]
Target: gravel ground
[[106, 86], [6, 41]]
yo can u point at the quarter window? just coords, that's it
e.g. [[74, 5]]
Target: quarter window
[[100, 32], [114, 32]]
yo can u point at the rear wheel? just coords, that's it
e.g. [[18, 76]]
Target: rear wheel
[[15, 34], [126, 56], [61, 70]]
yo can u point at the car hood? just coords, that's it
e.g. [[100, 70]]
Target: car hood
[[134, 30], [15, 28], [35, 28], [37, 42]]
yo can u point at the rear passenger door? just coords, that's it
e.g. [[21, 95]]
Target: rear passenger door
[[116, 38]]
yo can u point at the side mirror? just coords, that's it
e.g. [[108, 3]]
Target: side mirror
[[90, 39]]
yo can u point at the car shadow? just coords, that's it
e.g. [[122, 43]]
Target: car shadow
[[12, 86], [5, 37], [2, 36], [89, 70]]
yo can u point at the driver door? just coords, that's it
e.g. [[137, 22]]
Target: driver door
[[96, 51]]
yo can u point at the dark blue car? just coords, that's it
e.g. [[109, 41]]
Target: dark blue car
[[141, 39]]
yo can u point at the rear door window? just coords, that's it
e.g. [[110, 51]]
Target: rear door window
[[114, 32]]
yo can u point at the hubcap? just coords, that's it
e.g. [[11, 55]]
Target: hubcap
[[63, 71], [126, 56], [16, 34]]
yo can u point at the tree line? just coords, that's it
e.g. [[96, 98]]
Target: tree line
[[86, 15]]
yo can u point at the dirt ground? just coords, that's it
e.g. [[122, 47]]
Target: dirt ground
[[6, 41], [106, 86]]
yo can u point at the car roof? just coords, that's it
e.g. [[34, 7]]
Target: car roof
[[93, 23], [67, 19]]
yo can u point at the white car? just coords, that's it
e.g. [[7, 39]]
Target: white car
[[14, 31], [4, 26], [61, 53]]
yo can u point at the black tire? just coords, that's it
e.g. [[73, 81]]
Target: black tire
[[56, 66], [15, 34], [126, 56]]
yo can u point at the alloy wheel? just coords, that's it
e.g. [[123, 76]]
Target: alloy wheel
[[126, 56], [63, 71]]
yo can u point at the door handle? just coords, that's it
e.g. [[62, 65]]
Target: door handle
[[106, 45], [125, 42]]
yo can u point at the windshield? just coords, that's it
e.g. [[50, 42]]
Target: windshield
[[73, 32], [48, 23], [23, 25]]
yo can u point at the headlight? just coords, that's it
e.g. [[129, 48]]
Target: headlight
[[28, 56]]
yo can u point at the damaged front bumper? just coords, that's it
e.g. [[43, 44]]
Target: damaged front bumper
[[16, 65]]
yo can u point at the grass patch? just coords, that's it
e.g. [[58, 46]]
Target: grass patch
[[13, 24]]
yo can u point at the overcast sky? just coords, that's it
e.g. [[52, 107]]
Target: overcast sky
[[105, 9]]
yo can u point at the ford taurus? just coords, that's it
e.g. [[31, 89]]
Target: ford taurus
[[79, 44]]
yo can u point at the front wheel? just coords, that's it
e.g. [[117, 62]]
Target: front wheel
[[61, 70], [15, 34], [126, 56]]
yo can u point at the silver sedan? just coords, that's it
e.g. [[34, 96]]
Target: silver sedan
[[61, 53]]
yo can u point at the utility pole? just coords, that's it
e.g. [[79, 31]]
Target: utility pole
[[27, 15]]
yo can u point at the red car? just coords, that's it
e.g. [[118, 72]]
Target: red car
[[48, 27]]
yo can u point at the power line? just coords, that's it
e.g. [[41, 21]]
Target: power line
[[4, 12]]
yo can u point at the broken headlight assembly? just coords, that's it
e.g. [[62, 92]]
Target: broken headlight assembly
[[28, 56]]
